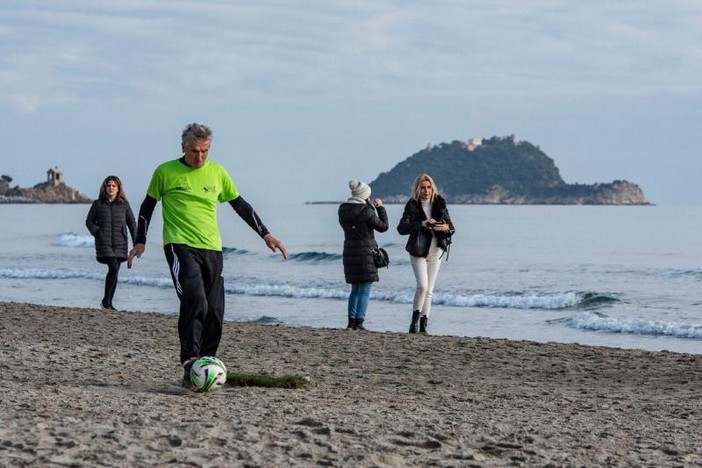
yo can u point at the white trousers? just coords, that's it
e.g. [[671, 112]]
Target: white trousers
[[425, 272]]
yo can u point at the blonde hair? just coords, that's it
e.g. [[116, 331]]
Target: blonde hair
[[418, 181]]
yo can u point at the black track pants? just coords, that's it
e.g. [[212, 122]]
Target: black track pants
[[197, 277]]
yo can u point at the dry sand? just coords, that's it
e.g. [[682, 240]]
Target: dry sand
[[87, 387]]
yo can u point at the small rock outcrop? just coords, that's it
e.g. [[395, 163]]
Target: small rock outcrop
[[50, 191]]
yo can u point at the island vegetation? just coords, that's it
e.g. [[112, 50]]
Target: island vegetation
[[498, 170]]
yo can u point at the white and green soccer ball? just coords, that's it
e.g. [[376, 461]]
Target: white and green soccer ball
[[208, 374]]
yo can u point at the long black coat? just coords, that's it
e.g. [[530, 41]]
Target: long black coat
[[108, 223], [420, 237], [359, 222]]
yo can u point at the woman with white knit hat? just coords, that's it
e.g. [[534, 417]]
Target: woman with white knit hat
[[359, 218]]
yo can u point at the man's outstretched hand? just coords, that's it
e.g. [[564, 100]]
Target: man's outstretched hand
[[273, 244], [136, 251]]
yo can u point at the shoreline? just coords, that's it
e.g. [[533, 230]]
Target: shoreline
[[89, 385], [485, 203]]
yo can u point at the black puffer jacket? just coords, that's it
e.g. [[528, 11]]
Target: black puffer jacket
[[420, 237], [108, 223], [359, 222]]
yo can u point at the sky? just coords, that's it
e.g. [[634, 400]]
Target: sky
[[304, 95]]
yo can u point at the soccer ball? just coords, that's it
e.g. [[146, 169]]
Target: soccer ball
[[208, 374]]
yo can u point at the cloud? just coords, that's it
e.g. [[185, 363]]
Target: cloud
[[356, 83], [67, 51]]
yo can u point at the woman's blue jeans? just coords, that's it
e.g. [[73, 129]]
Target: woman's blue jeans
[[358, 300]]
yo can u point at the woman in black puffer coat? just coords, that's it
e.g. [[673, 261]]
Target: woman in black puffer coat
[[359, 219], [109, 219]]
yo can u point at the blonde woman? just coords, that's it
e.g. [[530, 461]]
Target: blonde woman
[[427, 222]]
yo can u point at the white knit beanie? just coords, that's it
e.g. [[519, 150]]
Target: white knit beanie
[[359, 189]]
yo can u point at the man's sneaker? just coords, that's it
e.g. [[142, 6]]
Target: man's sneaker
[[187, 366]]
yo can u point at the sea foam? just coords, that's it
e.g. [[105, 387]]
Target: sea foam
[[70, 239], [251, 287], [600, 322]]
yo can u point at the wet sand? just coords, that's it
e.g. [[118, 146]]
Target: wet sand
[[87, 387]]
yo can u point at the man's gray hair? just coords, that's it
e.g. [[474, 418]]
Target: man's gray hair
[[196, 132]]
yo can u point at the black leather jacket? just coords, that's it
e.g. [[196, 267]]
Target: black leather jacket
[[420, 237]]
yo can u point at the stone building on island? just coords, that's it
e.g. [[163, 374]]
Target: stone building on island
[[54, 176], [53, 190]]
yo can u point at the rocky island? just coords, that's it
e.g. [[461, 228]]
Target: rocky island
[[53, 190], [498, 170]]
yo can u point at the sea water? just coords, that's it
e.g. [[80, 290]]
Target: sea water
[[626, 277]]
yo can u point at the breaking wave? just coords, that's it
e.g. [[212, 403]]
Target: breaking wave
[[315, 257], [70, 239], [253, 287], [526, 300], [227, 251], [601, 322]]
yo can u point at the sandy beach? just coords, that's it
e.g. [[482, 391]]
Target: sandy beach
[[88, 387]]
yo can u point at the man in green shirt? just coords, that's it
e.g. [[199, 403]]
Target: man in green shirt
[[190, 189]]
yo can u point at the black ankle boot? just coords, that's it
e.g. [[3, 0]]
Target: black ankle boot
[[415, 321], [423, 324], [359, 325], [352, 323]]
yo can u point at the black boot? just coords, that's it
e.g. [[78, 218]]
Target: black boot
[[415, 321], [352, 323], [359, 325], [423, 324]]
